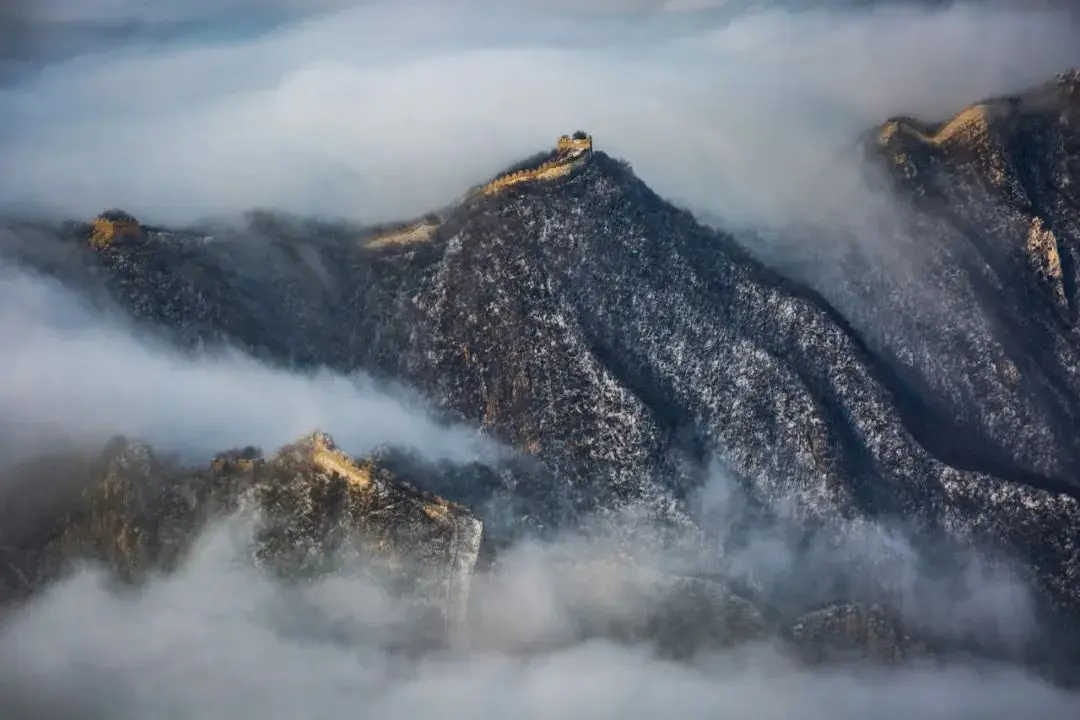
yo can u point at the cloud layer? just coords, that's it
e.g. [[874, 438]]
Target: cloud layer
[[383, 110], [68, 372], [222, 639]]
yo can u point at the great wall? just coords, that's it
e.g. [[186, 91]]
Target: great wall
[[571, 152], [411, 234]]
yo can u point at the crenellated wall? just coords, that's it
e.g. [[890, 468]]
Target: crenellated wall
[[573, 153]]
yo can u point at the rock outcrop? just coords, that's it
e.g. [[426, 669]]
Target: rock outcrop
[[989, 220], [315, 511]]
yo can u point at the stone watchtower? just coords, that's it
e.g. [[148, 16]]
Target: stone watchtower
[[578, 143], [112, 226]]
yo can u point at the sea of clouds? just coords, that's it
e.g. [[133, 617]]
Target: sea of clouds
[[381, 110]]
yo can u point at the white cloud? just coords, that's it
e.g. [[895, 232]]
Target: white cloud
[[67, 372], [219, 639], [381, 111]]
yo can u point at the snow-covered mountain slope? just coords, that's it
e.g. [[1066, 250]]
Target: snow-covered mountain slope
[[634, 353]]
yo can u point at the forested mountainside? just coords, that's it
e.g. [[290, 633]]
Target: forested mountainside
[[630, 353]]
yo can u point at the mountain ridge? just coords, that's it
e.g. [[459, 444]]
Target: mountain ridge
[[632, 354]]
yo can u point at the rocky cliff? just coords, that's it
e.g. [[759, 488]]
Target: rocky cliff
[[994, 210], [315, 510], [632, 354]]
